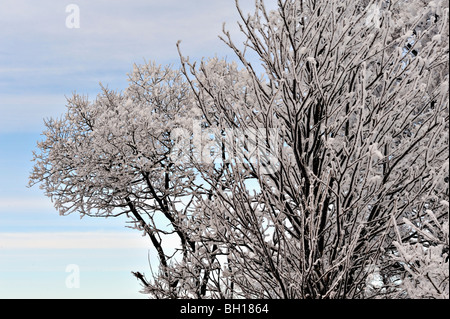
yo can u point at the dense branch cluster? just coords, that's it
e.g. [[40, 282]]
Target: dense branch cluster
[[326, 176]]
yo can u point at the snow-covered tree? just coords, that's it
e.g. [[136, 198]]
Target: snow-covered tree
[[113, 156], [322, 172], [425, 259]]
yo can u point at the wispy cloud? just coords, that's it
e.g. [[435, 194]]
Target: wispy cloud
[[41, 60], [111, 31], [25, 204], [74, 240]]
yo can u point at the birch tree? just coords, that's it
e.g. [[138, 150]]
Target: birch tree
[[318, 169]]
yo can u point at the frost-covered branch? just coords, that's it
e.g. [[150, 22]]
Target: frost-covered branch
[[320, 173]]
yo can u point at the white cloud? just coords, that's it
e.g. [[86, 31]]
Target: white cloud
[[82, 240], [25, 204], [73, 240]]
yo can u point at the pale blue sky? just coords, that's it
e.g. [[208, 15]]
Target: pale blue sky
[[41, 62]]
